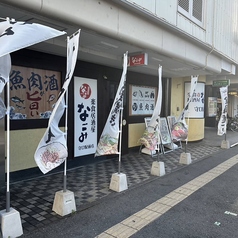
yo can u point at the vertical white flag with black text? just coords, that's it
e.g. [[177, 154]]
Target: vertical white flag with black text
[[150, 137], [221, 129], [52, 149], [108, 143], [179, 130]]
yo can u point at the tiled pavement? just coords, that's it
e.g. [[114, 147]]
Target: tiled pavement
[[34, 198]]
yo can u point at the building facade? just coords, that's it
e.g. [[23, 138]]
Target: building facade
[[186, 37]]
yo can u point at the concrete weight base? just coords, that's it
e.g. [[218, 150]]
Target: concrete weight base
[[64, 203], [225, 144], [157, 168], [148, 152], [11, 223], [185, 158], [118, 182]]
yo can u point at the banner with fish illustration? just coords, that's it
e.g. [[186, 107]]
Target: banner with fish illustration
[[221, 128], [150, 137], [52, 149], [179, 130], [108, 143], [33, 92], [18, 35], [5, 67]]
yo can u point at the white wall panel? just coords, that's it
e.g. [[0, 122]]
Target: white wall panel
[[220, 23], [165, 9]]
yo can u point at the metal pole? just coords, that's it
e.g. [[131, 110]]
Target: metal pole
[[66, 131], [187, 136], [120, 134], [158, 137], [66, 124], [8, 149]]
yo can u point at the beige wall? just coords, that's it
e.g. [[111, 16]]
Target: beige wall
[[196, 126], [23, 144], [135, 132]]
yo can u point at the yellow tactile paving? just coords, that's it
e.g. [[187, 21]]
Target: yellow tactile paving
[[176, 196], [147, 214], [168, 201], [135, 222], [121, 230], [142, 218], [105, 235], [158, 207], [184, 191]]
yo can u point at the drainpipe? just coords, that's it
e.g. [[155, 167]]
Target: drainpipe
[[214, 7]]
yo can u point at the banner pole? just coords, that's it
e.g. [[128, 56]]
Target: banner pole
[[8, 149], [66, 133], [119, 164], [158, 138], [187, 136]]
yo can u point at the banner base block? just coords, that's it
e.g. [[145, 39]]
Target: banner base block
[[148, 152], [225, 144], [118, 182], [64, 203], [157, 168], [185, 158], [11, 223]]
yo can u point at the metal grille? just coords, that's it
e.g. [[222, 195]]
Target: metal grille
[[184, 4], [197, 9]]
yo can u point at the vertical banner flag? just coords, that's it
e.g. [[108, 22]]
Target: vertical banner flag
[[108, 143], [179, 130], [18, 35], [5, 68], [150, 137], [52, 149], [221, 129]]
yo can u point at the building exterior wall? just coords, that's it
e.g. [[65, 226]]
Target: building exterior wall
[[148, 27], [219, 28], [154, 25]]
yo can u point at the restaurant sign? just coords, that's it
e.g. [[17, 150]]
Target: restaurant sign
[[138, 59]]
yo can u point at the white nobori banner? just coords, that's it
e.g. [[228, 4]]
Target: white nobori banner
[[52, 149]]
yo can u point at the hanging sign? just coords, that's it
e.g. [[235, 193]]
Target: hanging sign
[[138, 59], [221, 83]]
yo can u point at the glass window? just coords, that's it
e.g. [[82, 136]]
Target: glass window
[[192, 9]]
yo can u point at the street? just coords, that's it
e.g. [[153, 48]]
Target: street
[[210, 211]]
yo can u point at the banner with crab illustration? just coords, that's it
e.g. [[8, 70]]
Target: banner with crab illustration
[[52, 149]]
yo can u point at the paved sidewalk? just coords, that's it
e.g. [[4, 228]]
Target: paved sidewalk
[[34, 198]]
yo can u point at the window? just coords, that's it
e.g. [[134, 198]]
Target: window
[[192, 9]]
